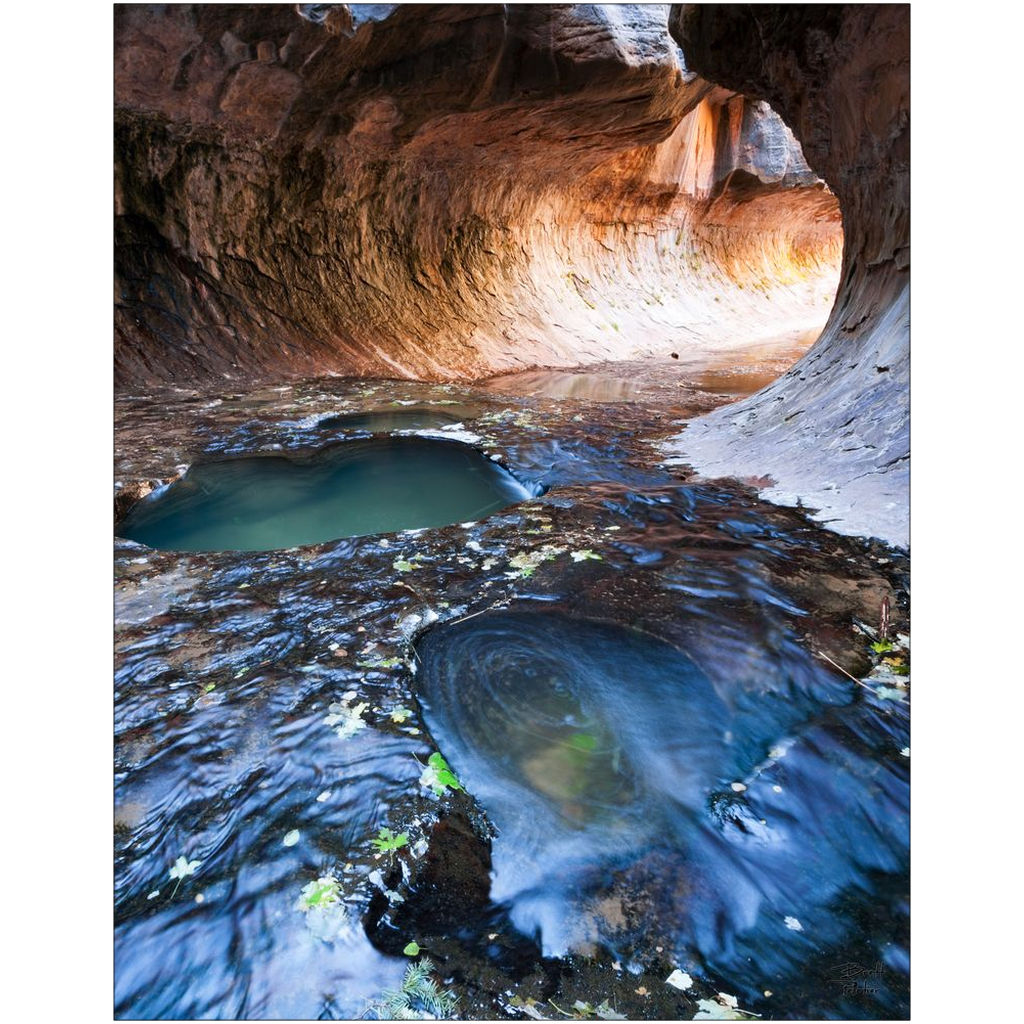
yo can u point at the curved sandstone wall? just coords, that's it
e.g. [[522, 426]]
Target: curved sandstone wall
[[833, 432], [445, 192]]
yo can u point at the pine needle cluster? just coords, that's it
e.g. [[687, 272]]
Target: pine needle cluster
[[418, 997]]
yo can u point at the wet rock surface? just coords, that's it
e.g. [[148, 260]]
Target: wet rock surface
[[268, 726], [443, 192]]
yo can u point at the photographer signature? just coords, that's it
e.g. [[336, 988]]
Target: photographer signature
[[857, 978]]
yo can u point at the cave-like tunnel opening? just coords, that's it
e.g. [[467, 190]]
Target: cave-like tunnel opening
[[454, 193], [511, 459], [297, 201]]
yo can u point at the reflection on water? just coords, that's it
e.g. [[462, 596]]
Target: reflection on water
[[761, 809], [592, 387], [351, 489], [733, 372], [740, 378], [739, 381], [383, 421], [742, 372]]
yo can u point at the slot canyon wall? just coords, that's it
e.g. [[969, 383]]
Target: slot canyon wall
[[834, 431], [449, 192]]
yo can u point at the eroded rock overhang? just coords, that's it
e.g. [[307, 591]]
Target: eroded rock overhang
[[834, 432], [445, 191]]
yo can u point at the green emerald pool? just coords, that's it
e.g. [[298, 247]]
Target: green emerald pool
[[350, 489]]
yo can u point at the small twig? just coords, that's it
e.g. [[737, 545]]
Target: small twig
[[571, 1016], [859, 682], [473, 615], [450, 622]]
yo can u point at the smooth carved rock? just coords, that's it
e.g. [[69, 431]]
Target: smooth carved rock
[[447, 191], [443, 890], [834, 432], [444, 191]]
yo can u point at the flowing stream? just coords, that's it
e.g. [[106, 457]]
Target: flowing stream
[[634, 675], [734, 794]]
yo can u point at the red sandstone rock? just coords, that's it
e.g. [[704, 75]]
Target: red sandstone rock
[[834, 431], [456, 191], [452, 191]]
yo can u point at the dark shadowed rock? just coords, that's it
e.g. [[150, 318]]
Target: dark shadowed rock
[[446, 889]]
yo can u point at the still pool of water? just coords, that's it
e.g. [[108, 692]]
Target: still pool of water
[[750, 806], [351, 489], [383, 421]]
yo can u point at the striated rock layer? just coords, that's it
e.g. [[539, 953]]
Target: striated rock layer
[[445, 191], [834, 431]]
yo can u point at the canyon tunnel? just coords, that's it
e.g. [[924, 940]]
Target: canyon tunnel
[[445, 192], [511, 546]]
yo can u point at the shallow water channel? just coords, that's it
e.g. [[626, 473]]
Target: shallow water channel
[[631, 672]]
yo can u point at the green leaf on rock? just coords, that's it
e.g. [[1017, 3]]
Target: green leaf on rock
[[184, 867], [438, 776], [322, 893], [346, 719], [379, 662], [388, 842], [525, 563], [680, 980], [722, 1008]]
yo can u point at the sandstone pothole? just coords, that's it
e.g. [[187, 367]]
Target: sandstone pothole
[[351, 489]]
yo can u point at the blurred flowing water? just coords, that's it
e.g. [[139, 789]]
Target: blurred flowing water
[[225, 783], [602, 664], [723, 783]]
